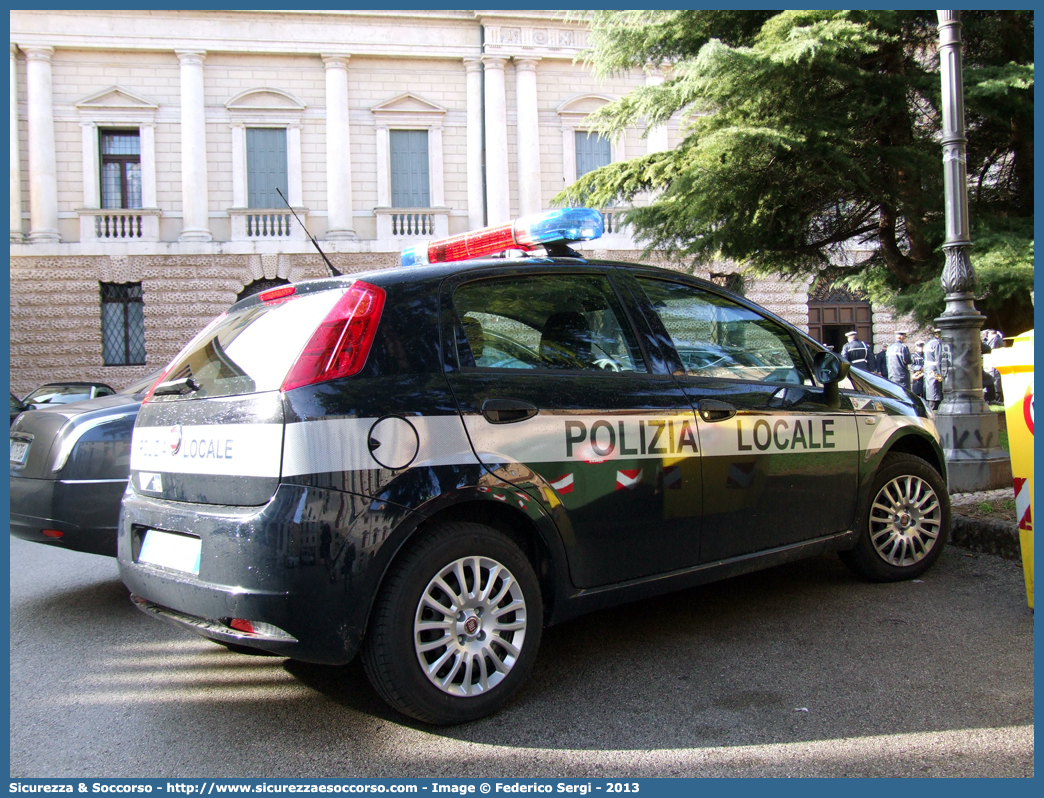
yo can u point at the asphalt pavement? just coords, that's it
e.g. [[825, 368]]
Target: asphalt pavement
[[802, 670]]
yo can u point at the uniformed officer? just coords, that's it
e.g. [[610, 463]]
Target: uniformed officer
[[857, 352], [933, 371], [881, 361], [917, 369], [897, 360], [995, 340]]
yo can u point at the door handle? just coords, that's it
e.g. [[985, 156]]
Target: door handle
[[713, 410], [506, 411]]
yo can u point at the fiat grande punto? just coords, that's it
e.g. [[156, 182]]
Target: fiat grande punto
[[427, 465]]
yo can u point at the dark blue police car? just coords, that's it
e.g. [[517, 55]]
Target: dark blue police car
[[430, 464]]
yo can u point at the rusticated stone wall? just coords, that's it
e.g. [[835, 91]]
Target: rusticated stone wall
[[56, 306]]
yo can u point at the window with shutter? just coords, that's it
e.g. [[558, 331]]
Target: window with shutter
[[266, 167], [409, 168], [592, 152]]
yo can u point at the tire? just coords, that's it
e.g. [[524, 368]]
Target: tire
[[444, 667], [906, 526]]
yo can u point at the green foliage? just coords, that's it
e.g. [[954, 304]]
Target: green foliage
[[626, 40], [1003, 259], [810, 134]]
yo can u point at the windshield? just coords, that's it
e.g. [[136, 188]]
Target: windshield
[[251, 350]]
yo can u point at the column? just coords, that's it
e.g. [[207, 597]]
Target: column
[[528, 134], [195, 206], [655, 137], [16, 163], [498, 196], [43, 178], [338, 150], [476, 192], [970, 432]]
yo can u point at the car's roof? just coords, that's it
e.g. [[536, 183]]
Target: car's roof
[[73, 385], [100, 406], [439, 271], [436, 273]]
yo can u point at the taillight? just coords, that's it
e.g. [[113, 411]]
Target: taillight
[[341, 343], [184, 351], [275, 295]]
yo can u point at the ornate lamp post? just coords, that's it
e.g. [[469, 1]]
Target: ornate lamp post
[[969, 430]]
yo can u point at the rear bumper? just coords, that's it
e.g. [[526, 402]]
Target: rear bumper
[[86, 513], [308, 562], [215, 630]]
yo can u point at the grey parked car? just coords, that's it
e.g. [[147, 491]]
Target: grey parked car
[[63, 393], [16, 407], [69, 467]]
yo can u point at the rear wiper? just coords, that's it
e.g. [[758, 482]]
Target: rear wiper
[[180, 387]]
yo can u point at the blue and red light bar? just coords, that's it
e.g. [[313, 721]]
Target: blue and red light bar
[[526, 233]]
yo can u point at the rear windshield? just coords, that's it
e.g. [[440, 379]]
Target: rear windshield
[[251, 350]]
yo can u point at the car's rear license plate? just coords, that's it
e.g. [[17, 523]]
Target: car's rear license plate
[[178, 552], [19, 451]]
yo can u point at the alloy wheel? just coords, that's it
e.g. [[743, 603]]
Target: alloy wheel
[[905, 520], [470, 626]]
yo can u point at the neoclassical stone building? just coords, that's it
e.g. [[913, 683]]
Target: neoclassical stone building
[[147, 148]]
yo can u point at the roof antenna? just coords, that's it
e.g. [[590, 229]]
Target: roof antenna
[[333, 271]]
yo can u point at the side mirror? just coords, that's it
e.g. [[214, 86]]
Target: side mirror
[[830, 370]]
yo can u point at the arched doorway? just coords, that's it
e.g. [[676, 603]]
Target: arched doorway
[[833, 310]]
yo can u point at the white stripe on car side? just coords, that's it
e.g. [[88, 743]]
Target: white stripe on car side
[[242, 450], [796, 433], [335, 445], [552, 437], [332, 445]]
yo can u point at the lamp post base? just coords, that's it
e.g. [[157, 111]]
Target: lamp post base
[[974, 459], [970, 431]]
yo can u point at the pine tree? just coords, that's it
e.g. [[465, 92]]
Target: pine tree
[[808, 135]]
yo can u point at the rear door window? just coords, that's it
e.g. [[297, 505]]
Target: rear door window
[[553, 321], [252, 350]]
